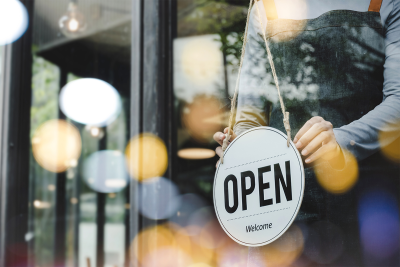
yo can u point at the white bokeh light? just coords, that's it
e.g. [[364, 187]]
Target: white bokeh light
[[13, 21], [90, 101]]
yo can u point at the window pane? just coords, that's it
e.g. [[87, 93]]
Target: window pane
[[79, 131], [45, 82]]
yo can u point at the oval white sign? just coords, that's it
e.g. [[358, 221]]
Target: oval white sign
[[259, 189]]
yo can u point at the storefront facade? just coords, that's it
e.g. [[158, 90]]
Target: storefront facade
[[123, 176]]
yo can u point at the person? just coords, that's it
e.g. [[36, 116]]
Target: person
[[338, 68]]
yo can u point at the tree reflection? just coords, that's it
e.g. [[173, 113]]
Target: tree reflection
[[320, 72]]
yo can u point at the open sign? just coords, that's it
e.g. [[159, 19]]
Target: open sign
[[259, 188]]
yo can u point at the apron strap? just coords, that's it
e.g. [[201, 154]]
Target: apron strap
[[270, 9], [375, 5]]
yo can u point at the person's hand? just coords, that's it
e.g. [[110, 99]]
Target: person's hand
[[219, 137], [317, 140]]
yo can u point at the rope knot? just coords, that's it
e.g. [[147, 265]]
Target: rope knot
[[225, 144]]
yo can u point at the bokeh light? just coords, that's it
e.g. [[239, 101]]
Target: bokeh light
[[201, 60], [105, 171], [190, 204], [90, 101], [162, 245], [56, 145], [324, 242], [199, 265], [167, 257], [378, 216], [282, 252], [41, 204], [149, 240], [292, 9], [73, 22], [146, 157], [337, 181], [95, 132], [389, 140], [199, 219], [219, 237], [196, 117], [292, 15], [157, 198], [51, 187], [196, 153], [234, 255], [13, 21]]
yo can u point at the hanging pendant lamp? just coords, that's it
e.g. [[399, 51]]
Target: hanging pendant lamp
[[73, 22]]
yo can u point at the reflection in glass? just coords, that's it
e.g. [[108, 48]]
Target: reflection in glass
[[104, 171], [324, 242], [389, 140], [146, 157], [202, 117], [201, 60], [57, 145], [73, 21], [157, 198], [379, 224], [41, 204], [196, 153], [90, 101], [190, 203], [337, 181]]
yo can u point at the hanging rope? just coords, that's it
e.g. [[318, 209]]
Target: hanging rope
[[271, 62], [233, 101]]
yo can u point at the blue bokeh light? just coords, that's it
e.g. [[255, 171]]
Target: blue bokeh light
[[379, 224]]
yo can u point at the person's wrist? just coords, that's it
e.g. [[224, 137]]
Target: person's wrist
[[337, 161]]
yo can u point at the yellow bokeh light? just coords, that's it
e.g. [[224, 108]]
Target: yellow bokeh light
[[200, 265], [201, 60], [41, 204], [151, 244], [56, 145], [292, 14], [200, 252], [285, 250], [389, 140], [337, 181], [146, 157], [292, 9], [196, 118], [149, 240]]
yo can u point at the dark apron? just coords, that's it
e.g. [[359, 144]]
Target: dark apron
[[340, 54], [336, 63]]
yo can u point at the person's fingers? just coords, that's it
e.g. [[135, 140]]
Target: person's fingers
[[325, 149], [315, 143], [306, 127], [233, 135], [332, 153], [218, 150], [219, 137], [216, 165], [315, 130]]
